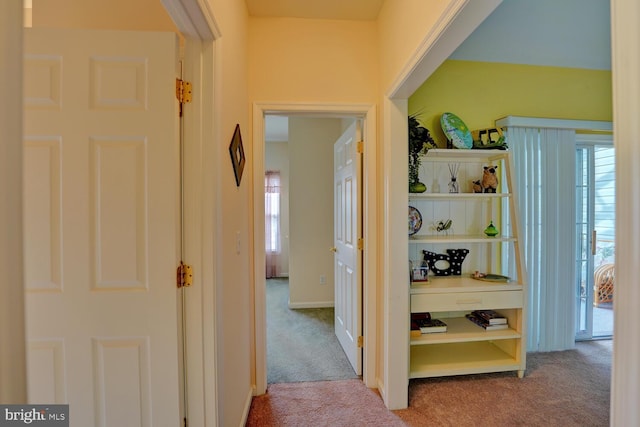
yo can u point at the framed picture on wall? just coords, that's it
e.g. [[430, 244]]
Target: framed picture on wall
[[236, 150]]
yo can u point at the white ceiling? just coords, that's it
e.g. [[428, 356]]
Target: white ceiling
[[276, 128], [562, 33]]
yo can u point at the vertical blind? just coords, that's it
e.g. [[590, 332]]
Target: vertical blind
[[544, 166]]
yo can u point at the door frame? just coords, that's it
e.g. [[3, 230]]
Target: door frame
[[369, 229], [197, 24], [591, 141], [13, 366]]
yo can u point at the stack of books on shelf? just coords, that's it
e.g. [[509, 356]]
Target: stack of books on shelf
[[490, 320], [422, 323]]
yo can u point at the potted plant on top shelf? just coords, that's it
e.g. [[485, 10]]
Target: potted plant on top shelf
[[420, 141]]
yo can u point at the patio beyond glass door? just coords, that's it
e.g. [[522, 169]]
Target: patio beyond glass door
[[595, 225]]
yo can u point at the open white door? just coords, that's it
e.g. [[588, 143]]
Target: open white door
[[101, 224], [347, 230]]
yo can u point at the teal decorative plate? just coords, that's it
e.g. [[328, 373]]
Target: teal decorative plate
[[456, 131]]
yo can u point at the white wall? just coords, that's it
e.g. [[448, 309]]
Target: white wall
[[276, 158], [311, 210]]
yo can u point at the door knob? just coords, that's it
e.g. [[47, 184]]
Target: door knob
[[333, 249]]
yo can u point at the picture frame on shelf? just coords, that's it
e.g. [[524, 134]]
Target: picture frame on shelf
[[419, 273]]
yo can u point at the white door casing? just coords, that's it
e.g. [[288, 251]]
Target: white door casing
[[347, 230], [370, 274], [101, 224]]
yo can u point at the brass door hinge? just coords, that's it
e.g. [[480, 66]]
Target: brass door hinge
[[184, 275], [360, 147], [360, 341], [360, 243], [183, 91]]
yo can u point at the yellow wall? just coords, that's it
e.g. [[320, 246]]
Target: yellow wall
[[234, 311], [143, 15], [402, 27], [303, 60], [481, 92]]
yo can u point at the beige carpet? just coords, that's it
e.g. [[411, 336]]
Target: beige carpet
[[567, 388], [338, 403], [301, 344]]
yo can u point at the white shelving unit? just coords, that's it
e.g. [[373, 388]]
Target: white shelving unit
[[467, 348]]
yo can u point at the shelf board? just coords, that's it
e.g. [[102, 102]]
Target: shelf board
[[462, 238], [460, 359], [464, 283], [454, 196], [461, 329], [443, 154]]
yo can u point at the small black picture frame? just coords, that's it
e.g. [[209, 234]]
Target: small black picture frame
[[237, 155]]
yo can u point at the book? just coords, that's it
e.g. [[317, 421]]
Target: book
[[484, 324], [416, 318], [429, 326], [420, 316], [491, 316]]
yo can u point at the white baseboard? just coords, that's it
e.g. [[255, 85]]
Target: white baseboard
[[247, 407], [319, 304], [382, 392]]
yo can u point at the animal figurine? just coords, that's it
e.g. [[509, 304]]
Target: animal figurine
[[444, 225], [477, 186], [489, 179]]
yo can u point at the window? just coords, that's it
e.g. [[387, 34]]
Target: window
[[272, 211]]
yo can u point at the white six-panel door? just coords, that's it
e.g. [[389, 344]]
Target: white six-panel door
[[348, 263], [101, 224]]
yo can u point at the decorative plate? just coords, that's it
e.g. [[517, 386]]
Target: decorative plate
[[491, 277], [456, 131], [415, 220]]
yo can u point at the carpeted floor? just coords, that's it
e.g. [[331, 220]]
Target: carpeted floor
[[345, 403], [301, 343], [566, 388]]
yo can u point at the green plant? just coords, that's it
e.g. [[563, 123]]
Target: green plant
[[420, 141]]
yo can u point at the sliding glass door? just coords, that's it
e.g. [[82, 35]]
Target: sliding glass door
[[595, 238]]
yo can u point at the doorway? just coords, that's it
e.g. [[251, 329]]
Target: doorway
[[369, 276], [299, 213], [595, 226]]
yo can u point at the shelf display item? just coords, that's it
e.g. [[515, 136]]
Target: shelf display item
[[453, 183], [444, 226], [419, 272], [415, 220], [457, 133], [489, 179], [491, 230], [420, 141], [453, 261], [489, 277]]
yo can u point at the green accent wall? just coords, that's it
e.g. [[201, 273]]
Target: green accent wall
[[482, 92]]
